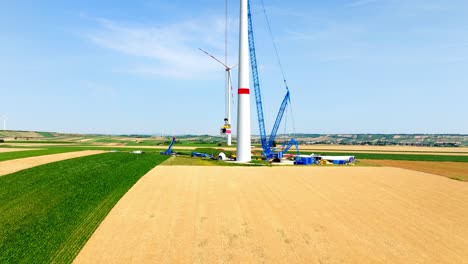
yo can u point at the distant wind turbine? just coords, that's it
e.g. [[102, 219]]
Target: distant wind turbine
[[227, 119], [4, 121]]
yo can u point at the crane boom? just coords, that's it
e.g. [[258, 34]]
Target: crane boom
[[266, 143], [279, 117], [290, 144], [258, 96]]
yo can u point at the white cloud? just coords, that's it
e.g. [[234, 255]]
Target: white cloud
[[171, 48]]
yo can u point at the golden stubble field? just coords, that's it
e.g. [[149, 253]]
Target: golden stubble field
[[178, 214]]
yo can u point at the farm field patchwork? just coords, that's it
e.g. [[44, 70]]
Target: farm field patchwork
[[190, 214], [11, 166], [389, 152], [384, 148], [410, 156], [41, 150], [3, 150], [50, 211], [453, 170], [36, 152], [397, 156]]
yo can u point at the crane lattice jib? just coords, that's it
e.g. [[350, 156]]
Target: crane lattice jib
[[258, 96], [292, 142], [279, 117]]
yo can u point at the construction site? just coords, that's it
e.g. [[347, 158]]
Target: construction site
[[241, 196]]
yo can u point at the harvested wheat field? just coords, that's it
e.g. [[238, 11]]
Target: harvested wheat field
[[178, 214], [10, 166]]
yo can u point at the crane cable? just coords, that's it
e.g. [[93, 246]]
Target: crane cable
[[226, 32], [292, 117], [279, 62], [285, 124], [226, 22], [274, 44]]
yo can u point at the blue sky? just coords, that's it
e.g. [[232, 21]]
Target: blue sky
[[353, 66]]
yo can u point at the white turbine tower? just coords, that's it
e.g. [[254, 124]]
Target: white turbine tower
[[243, 93], [227, 119], [4, 121]]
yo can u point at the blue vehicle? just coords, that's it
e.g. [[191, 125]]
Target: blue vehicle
[[169, 149], [202, 155]]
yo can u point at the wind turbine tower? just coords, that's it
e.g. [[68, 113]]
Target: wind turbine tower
[[243, 153], [4, 122]]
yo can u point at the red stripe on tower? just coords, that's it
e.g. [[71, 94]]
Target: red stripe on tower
[[243, 91]]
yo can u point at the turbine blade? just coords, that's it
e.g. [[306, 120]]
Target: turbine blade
[[230, 80], [227, 67], [230, 87]]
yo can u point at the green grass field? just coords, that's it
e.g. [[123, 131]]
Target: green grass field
[[33, 153], [49, 212], [46, 134]]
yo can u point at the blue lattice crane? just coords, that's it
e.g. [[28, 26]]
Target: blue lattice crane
[[267, 144], [169, 151]]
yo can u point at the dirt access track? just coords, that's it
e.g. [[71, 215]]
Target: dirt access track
[[11, 166], [178, 214]]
